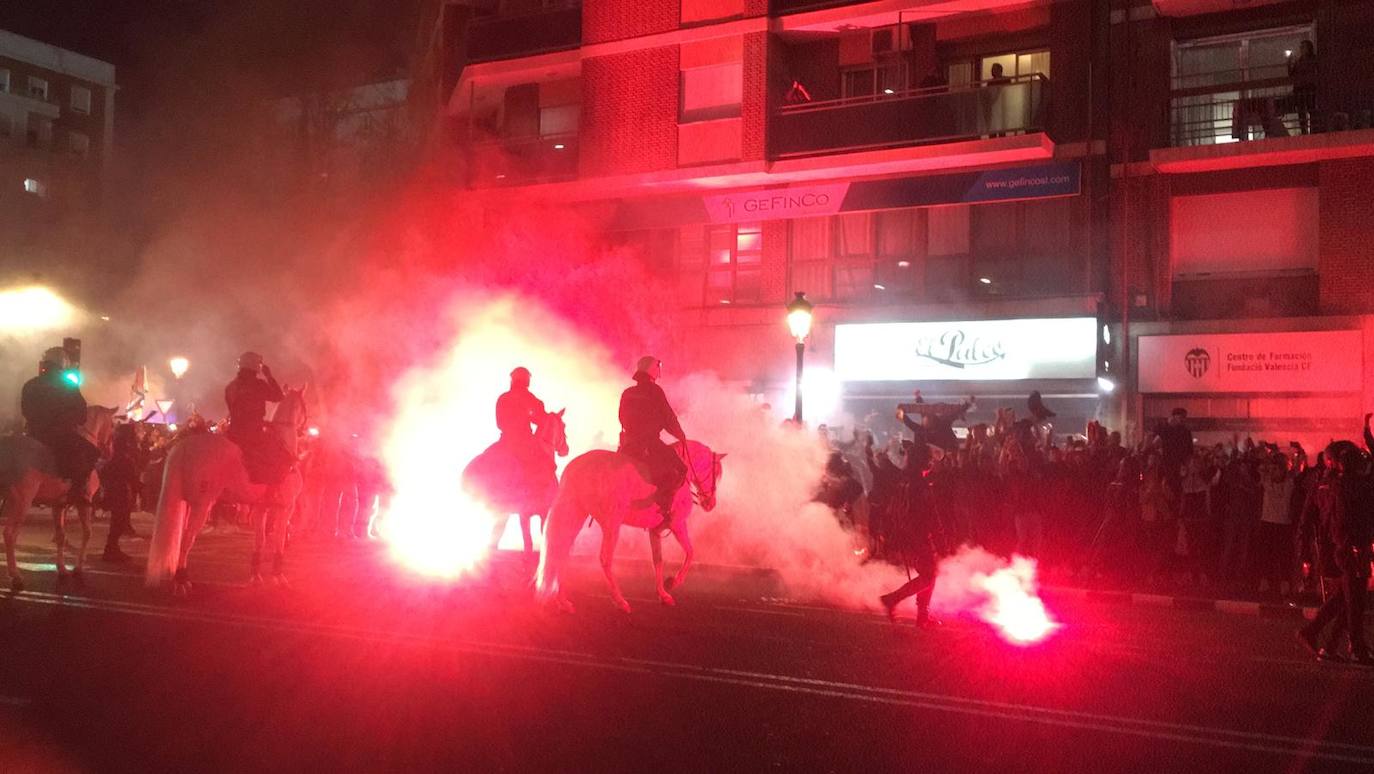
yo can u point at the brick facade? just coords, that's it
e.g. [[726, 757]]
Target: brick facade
[[606, 20], [1346, 267], [629, 112]]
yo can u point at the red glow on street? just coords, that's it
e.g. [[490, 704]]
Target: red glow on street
[[1013, 607]]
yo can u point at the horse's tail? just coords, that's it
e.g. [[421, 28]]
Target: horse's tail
[[164, 550], [560, 530]]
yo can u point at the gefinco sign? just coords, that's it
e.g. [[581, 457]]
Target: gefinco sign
[[978, 350]]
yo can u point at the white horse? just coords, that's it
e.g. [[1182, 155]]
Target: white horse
[[202, 468], [28, 475], [288, 423], [614, 490]]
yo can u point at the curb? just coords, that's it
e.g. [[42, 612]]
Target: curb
[[1232, 606]]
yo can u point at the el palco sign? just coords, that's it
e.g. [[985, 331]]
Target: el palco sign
[[973, 350], [1308, 361]]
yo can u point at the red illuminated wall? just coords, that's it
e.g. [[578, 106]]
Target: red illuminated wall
[[629, 112], [605, 20], [1346, 257]]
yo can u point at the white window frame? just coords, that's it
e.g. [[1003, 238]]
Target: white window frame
[[33, 82], [79, 108]]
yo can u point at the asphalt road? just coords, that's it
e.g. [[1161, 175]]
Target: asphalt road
[[356, 667]]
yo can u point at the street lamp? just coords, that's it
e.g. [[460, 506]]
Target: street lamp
[[799, 322], [179, 366]]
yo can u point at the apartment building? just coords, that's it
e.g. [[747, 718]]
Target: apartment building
[[980, 197], [56, 126]]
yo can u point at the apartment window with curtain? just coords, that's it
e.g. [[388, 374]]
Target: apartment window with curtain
[[853, 270], [947, 252], [710, 93], [809, 252], [1234, 87], [734, 264], [897, 260]]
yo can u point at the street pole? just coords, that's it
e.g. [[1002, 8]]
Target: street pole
[[801, 358]]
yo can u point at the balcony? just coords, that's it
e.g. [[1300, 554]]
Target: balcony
[[944, 114], [1230, 123], [552, 26], [522, 160]]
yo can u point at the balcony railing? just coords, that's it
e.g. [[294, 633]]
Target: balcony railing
[[1235, 111], [521, 160], [993, 108], [553, 27]]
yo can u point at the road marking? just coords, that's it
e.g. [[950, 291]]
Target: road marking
[[15, 701], [1152, 729]]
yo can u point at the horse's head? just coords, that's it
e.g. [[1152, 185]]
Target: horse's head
[[291, 411], [553, 432], [704, 469]]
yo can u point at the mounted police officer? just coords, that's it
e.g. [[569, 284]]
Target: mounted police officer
[[644, 416], [54, 413], [247, 398], [519, 415]]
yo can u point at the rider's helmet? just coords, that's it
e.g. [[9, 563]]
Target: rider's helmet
[[54, 359], [251, 361], [520, 376], [645, 364]]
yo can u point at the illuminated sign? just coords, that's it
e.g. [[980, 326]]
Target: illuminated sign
[[1309, 361], [799, 202], [978, 350]]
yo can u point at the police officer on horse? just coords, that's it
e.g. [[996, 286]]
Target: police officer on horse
[[519, 416], [644, 416], [54, 413], [247, 397]]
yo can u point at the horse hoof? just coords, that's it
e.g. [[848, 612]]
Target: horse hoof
[[667, 600], [621, 605]]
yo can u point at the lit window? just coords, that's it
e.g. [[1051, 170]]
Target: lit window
[[38, 88], [35, 187], [79, 144], [712, 92], [734, 264], [81, 99], [559, 120]]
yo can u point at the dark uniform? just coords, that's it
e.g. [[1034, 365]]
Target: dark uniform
[[1339, 514], [913, 528], [644, 416], [247, 398], [516, 411], [54, 413]]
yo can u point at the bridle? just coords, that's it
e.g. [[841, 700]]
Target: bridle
[[699, 492]]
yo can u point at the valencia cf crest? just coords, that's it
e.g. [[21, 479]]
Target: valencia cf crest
[[1197, 361]]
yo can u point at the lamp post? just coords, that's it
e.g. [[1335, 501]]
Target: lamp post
[[799, 322]]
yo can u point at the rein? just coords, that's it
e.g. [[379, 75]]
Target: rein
[[699, 492]]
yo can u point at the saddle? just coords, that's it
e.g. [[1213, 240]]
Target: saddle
[[266, 458]]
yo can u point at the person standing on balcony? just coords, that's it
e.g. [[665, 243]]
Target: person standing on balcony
[[1302, 69], [995, 102]]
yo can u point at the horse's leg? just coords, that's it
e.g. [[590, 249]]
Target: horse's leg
[[281, 517], [197, 513], [684, 540], [259, 516], [18, 498], [527, 538], [610, 535], [656, 549], [83, 514], [59, 527]]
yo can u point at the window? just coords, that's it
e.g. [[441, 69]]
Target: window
[[896, 261], [734, 271], [854, 256], [38, 88], [81, 99], [559, 120], [948, 230], [1264, 230], [6, 126], [40, 132], [883, 79], [1016, 64], [710, 93], [4, 81], [1211, 77], [35, 187], [810, 254], [79, 144]]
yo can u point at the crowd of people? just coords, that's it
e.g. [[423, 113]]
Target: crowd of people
[[1240, 519]]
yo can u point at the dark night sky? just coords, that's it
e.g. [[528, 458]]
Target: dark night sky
[[275, 40]]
